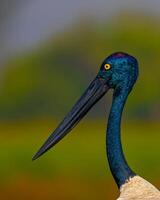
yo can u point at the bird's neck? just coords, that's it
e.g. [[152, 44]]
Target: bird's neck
[[118, 165]]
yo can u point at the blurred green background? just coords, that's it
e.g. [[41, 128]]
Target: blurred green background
[[43, 73]]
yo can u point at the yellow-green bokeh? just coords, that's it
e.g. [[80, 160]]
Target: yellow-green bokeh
[[38, 88]]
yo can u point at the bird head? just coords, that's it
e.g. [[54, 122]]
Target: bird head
[[117, 70]]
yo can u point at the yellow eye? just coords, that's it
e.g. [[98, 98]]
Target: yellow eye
[[107, 66]]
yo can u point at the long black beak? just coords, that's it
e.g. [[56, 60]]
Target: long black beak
[[94, 92]]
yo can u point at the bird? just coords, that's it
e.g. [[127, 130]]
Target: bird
[[119, 72]]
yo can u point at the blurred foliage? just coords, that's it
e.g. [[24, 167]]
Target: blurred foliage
[[47, 81]]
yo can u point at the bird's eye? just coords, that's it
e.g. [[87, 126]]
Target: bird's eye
[[107, 66]]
